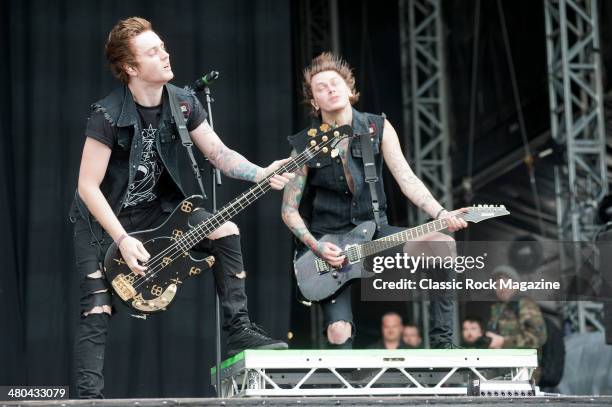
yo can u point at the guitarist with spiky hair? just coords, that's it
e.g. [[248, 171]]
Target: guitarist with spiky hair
[[339, 199], [129, 180]]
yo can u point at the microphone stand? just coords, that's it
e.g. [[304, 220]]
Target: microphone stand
[[215, 181]]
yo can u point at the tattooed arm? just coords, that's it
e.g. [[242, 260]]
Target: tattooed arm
[[290, 207], [292, 218], [411, 186], [230, 162]]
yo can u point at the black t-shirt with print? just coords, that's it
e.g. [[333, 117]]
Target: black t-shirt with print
[[152, 180], [144, 189]]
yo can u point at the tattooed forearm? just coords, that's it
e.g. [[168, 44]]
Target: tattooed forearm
[[417, 192], [410, 184], [245, 171], [302, 233], [292, 197], [235, 165], [225, 159]]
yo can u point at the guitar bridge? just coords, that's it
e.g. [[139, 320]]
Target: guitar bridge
[[123, 288], [321, 266], [157, 304]]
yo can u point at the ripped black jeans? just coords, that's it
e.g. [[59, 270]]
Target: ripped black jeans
[[91, 243]]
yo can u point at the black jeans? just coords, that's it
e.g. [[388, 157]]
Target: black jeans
[[91, 243], [441, 305]]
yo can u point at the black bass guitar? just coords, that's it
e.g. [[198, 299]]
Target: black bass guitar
[[319, 280], [169, 245]]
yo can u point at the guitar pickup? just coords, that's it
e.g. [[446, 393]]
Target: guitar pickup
[[321, 266], [352, 253]]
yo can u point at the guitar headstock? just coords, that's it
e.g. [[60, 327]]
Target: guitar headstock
[[482, 212], [326, 137]]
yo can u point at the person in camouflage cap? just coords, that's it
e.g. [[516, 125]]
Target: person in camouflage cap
[[515, 322]]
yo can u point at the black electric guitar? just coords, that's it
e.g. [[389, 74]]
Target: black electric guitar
[[318, 280], [169, 245]]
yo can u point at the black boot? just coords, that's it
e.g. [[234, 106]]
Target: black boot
[[251, 336], [230, 281]]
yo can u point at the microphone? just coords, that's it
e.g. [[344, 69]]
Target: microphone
[[205, 80]]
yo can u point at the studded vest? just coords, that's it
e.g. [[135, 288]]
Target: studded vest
[[328, 205]]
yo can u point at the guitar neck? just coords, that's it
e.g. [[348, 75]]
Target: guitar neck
[[238, 204], [387, 242]]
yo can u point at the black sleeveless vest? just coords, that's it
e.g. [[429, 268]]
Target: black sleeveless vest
[[328, 205]]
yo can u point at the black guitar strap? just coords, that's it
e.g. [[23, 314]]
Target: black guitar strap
[[371, 178], [181, 125]]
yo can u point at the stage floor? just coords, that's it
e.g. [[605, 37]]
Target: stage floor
[[330, 401]]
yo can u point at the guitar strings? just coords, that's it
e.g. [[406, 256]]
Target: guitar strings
[[388, 242], [385, 242], [190, 238], [206, 227]]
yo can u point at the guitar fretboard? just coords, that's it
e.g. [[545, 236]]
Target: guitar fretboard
[[235, 206], [387, 242]]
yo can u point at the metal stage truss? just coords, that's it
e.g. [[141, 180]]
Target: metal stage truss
[[425, 115], [415, 372], [577, 123], [424, 98]]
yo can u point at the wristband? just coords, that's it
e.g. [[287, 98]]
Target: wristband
[[440, 213], [123, 236]]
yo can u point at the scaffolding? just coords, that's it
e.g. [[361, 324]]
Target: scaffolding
[[425, 112], [320, 32], [424, 98], [577, 123]]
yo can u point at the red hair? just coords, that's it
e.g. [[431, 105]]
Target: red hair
[[118, 50]]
